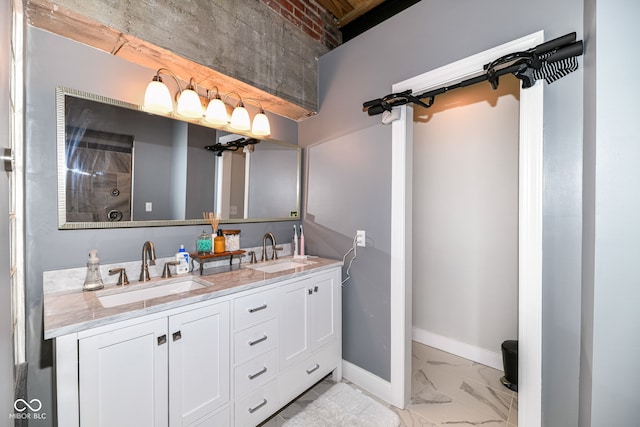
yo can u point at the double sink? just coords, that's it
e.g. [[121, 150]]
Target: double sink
[[116, 297]]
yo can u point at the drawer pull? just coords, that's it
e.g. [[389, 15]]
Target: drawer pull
[[312, 370], [262, 307], [260, 405], [258, 341], [162, 339], [177, 335], [310, 291], [257, 374]]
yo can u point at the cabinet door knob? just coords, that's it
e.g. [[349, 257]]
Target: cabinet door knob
[[177, 336], [310, 291], [258, 406], [258, 341], [162, 339], [257, 374], [315, 289], [262, 307], [312, 370]]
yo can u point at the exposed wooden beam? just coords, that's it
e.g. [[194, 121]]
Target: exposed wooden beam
[[338, 8], [362, 8], [346, 11]]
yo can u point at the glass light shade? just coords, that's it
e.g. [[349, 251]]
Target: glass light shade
[[216, 112], [157, 98], [240, 119], [261, 125], [189, 104]]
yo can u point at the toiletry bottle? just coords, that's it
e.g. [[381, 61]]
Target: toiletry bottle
[[301, 241], [183, 258], [93, 281], [203, 244], [218, 243], [294, 248]]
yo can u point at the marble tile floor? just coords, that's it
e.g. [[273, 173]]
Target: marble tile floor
[[446, 390]]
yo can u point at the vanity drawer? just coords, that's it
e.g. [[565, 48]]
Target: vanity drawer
[[303, 375], [255, 340], [253, 309], [257, 406], [255, 373]]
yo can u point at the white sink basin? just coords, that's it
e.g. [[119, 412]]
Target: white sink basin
[[111, 299], [278, 266]]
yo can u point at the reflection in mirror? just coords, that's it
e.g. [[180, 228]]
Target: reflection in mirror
[[256, 181], [119, 166]]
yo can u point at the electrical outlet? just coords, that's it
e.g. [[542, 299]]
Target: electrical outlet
[[361, 238], [148, 206]]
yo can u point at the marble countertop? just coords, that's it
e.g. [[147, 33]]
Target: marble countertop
[[73, 311]]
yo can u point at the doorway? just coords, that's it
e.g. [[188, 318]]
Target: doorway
[[529, 230]]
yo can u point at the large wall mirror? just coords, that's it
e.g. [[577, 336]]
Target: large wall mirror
[[119, 166]]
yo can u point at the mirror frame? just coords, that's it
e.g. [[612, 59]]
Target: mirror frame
[[62, 92]]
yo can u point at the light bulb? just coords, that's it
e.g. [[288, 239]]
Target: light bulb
[[261, 125], [240, 119], [216, 112], [157, 98], [189, 104]]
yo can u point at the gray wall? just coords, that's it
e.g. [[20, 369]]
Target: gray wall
[[426, 36], [6, 338], [53, 61], [611, 343], [465, 210]]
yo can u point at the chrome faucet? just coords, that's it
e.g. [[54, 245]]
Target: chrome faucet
[[273, 246], [147, 249]]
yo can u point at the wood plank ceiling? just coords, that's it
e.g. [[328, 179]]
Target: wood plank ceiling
[[347, 11]]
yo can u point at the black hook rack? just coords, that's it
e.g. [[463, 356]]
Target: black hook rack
[[550, 61], [234, 145]]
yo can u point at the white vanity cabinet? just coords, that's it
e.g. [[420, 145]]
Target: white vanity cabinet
[[310, 332], [167, 371], [232, 360]]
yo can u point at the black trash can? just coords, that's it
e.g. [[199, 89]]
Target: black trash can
[[510, 362]]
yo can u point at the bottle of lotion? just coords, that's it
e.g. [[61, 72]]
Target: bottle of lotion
[[183, 258]]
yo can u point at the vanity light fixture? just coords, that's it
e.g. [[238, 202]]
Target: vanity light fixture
[[260, 125], [157, 99], [189, 102], [216, 110], [240, 117]]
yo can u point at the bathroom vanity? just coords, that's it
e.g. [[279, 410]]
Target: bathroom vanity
[[223, 350]]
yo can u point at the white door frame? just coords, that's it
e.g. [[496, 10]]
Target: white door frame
[[529, 230]]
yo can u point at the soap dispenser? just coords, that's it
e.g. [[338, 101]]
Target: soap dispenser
[[93, 281]]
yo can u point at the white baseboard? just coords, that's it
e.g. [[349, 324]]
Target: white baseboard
[[367, 381], [467, 351]]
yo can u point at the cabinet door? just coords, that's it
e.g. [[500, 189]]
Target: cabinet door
[[123, 376], [198, 363], [294, 322], [324, 310]]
